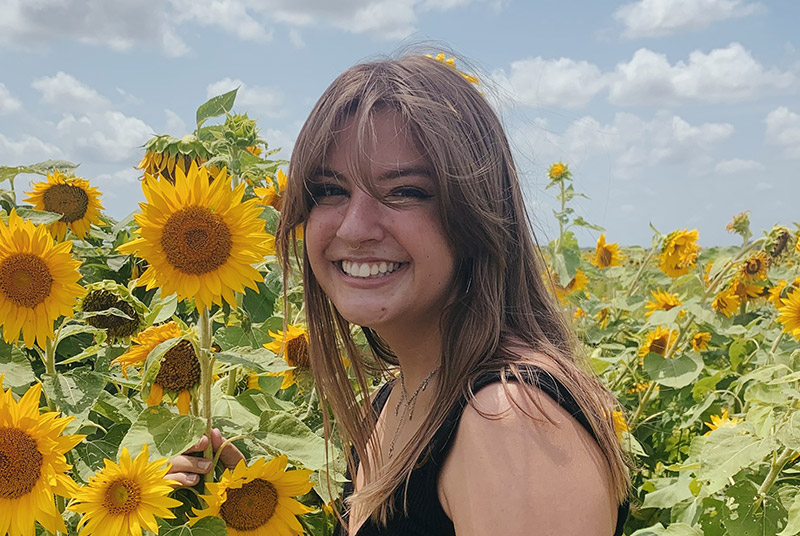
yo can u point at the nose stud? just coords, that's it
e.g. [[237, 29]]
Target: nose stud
[[351, 248]]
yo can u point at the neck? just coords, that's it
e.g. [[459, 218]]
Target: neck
[[418, 352]]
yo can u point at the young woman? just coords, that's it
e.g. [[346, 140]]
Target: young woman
[[416, 231]]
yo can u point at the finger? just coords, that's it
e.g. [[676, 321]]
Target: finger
[[199, 446], [190, 464], [183, 480], [230, 455]]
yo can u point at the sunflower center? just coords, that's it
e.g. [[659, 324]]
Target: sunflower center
[[250, 506], [605, 257], [196, 241], [752, 266], [297, 352], [117, 326], [68, 200], [659, 345], [25, 279], [122, 497], [20, 463], [180, 368]]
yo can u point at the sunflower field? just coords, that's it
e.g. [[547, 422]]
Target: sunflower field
[[125, 342]]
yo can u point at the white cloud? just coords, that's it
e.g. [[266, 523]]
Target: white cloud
[[105, 137], [724, 75], [561, 83], [258, 101], [26, 150], [735, 166], [230, 15], [65, 92], [296, 38], [175, 126], [651, 18], [783, 129], [128, 175], [118, 24], [8, 104]]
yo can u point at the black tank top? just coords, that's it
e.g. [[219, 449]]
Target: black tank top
[[425, 514]]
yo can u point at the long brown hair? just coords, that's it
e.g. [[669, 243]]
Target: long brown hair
[[501, 299]]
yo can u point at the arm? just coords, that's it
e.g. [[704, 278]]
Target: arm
[[517, 475], [186, 470]]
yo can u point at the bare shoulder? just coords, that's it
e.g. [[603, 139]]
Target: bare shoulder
[[518, 463]]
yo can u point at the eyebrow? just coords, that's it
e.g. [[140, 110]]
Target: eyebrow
[[390, 174]]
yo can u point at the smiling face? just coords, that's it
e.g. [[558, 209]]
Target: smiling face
[[385, 263]]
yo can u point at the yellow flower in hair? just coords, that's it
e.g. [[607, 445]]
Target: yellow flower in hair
[[451, 62]]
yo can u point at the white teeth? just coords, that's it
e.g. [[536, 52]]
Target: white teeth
[[354, 269]]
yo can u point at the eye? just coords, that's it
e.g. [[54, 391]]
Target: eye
[[327, 193], [409, 192]]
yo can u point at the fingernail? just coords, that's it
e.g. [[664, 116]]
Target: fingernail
[[192, 479], [204, 465]]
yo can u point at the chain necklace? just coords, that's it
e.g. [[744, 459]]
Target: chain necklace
[[408, 403]]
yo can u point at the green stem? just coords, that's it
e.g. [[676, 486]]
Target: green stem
[[50, 367], [638, 276], [775, 344], [643, 402], [312, 401], [206, 371], [233, 379], [225, 444], [775, 470]]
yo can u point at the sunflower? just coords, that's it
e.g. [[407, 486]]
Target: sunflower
[[779, 291], [106, 295], [125, 498], [38, 281], [32, 464], [658, 341], [294, 345], [602, 317], [721, 421], [662, 301], [179, 369], [726, 302], [257, 500], [700, 341], [558, 171], [271, 196], [754, 267], [641, 387], [199, 238], [164, 155], [620, 424], [789, 313], [73, 198], [606, 255], [578, 314], [679, 252]]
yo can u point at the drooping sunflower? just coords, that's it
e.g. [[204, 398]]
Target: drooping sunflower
[[662, 301], [164, 155], [106, 295], [746, 291], [606, 255], [32, 464], [294, 345], [73, 198], [257, 500], [178, 371], [270, 196], [754, 267], [658, 341], [125, 498], [199, 238], [679, 252], [726, 302], [789, 313], [721, 421], [700, 341], [38, 281]]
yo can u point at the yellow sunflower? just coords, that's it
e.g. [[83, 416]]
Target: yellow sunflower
[[700, 341], [620, 423], [179, 370], [721, 421], [165, 155], [294, 345], [199, 238], [38, 281], [606, 255], [662, 301], [125, 498], [754, 267], [578, 314], [602, 317], [558, 171], [73, 198], [679, 252], [32, 464], [106, 295], [271, 196], [789, 313], [257, 500], [658, 341], [726, 302], [746, 291]]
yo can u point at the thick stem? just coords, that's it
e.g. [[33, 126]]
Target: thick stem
[[50, 367], [775, 470], [206, 379]]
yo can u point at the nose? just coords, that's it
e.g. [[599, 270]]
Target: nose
[[361, 221]]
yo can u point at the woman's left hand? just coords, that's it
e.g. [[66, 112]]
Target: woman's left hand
[[186, 470]]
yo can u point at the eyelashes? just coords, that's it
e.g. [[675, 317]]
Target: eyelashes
[[327, 193]]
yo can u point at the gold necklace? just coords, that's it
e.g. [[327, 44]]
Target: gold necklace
[[409, 402]]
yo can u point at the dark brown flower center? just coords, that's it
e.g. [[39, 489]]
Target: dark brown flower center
[[250, 506], [117, 326], [20, 463], [605, 257], [297, 352], [122, 497], [179, 369], [659, 345], [25, 279], [68, 200], [196, 241]]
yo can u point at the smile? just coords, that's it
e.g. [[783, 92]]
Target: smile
[[368, 269]]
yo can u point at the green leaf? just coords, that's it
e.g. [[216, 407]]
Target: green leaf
[[725, 452], [48, 166], [119, 408], [162, 309], [228, 407], [216, 106], [74, 391], [667, 496], [255, 359], [289, 435], [15, 367], [165, 433], [746, 514], [674, 372], [208, 526], [739, 350], [39, 217], [793, 523], [259, 305]]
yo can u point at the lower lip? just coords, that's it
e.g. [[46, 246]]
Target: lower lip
[[369, 282]]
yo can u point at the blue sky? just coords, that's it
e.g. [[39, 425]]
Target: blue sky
[[679, 113]]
